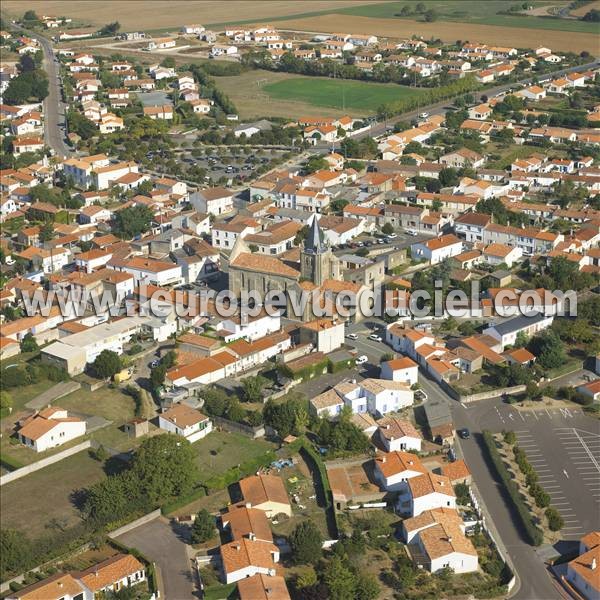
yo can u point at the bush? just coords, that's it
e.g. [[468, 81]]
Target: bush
[[555, 521], [510, 438], [534, 533]]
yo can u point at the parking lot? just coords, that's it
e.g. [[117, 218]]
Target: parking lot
[[563, 446]]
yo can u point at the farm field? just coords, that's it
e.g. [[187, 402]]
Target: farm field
[[445, 30], [472, 11], [361, 96], [247, 93], [160, 14], [47, 494], [579, 12]]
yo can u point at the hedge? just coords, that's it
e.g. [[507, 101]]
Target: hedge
[[534, 533], [182, 501]]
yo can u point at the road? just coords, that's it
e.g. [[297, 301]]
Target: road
[[54, 107], [379, 128], [535, 581]]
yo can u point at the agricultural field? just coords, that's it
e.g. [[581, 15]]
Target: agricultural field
[[472, 11], [161, 14], [446, 30], [48, 494]]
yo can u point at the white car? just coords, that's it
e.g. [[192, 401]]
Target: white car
[[423, 115], [352, 336], [362, 359], [411, 232], [375, 337]]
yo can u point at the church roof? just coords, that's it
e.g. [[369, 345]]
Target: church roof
[[313, 243]]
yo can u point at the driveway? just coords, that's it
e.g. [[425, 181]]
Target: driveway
[[161, 544]]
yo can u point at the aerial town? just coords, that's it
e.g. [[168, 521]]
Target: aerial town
[[299, 303]]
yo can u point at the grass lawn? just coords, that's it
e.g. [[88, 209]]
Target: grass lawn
[[32, 502], [473, 11], [109, 403], [220, 591], [221, 450], [501, 157], [340, 94]]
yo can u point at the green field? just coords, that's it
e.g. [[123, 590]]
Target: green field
[[338, 93], [473, 12], [220, 451], [466, 11], [38, 501]]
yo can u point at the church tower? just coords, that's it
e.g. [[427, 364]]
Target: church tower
[[315, 260]]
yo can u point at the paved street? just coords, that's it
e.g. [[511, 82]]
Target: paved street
[[160, 544], [54, 108]]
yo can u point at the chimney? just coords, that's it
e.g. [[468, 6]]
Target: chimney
[[251, 536], [383, 459], [248, 505], [175, 420], [594, 564], [450, 538]]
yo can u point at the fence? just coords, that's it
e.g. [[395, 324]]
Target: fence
[[45, 462], [137, 523], [517, 389]]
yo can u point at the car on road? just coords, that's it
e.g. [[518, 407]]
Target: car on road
[[362, 359], [411, 232], [352, 336], [464, 433], [375, 337], [423, 115], [154, 364]]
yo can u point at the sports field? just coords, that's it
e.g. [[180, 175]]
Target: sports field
[[263, 94], [364, 97]]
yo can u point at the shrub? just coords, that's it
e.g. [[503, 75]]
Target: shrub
[[555, 521]]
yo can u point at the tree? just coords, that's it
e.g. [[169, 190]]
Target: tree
[[430, 16], [510, 437], [165, 467], [29, 343], [47, 232], [367, 587], [387, 228], [157, 375], [17, 552], [133, 221], [548, 348], [252, 388], [316, 162], [203, 527], [306, 542], [107, 364], [448, 177], [6, 401], [110, 28], [339, 579]]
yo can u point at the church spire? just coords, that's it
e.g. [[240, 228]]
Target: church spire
[[313, 241]]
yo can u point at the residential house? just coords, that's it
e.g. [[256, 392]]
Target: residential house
[[267, 493], [426, 492], [437, 250], [393, 470], [398, 435], [49, 428], [186, 422], [401, 369]]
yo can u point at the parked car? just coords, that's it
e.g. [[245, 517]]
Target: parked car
[[464, 433], [352, 336], [154, 364], [411, 232], [375, 337], [420, 394], [362, 359], [423, 115]]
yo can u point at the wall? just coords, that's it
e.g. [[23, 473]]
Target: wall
[[517, 389], [231, 426], [40, 464], [137, 523]]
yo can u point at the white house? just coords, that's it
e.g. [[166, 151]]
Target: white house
[[49, 428], [506, 332], [426, 492], [376, 396], [327, 405], [213, 201], [185, 421], [401, 369], [326, 335], [247, 557], [497, 254], [249, 327], [437, 249], [398, 435], [150, 271], [223, 50], [111, 575], [394, 469], [582, 572]]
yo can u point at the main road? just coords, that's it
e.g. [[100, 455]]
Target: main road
[[55, 120]]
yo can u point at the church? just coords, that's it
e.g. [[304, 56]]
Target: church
[[318, 272]]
